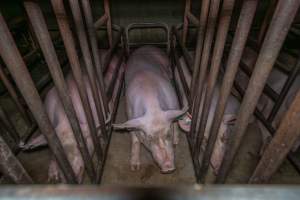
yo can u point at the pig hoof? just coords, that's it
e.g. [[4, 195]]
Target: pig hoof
[[135, 167]]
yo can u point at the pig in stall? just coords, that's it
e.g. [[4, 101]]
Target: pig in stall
[[152, 107]]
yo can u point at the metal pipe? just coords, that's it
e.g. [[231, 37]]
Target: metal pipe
[[290, 80], [12, 92], [39, 26], [108, 22], [223, 28], [101, 21], [199, 46], [95, 51], [185, 21], [283, 141], [212, 20], [5, 119], [83, 42], [15, 64], [11, 167], [193, 19], [69, 42], [281, 22]]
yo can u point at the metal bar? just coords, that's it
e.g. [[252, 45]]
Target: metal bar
[[39, 26], [101, 21], [199, 46], [223, 28], [290, 80], [5, 119], [284, 139], [69, 42], [12, 92], [191, 17], [266, 21], [212, 20], [11, 167], [108, 22], [282, 20], [95, 51], [83, 42], [185, 21], [187, 57], [15, 64]]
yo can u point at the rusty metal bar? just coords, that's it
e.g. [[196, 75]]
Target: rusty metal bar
[[212, 20], [191, 17], [223, 28], [95, 51], [284, 139], [11, 167], [83, 42], [5, 119], [266, 22], [108, 22], [15, 64], [185, 21], [281, 22], [69, 43], [290, 80], [39, 26], [101, 21], [12, 92], [199, 46]]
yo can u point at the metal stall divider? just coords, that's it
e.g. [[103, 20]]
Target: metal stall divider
[[280, 24], [17, 68]]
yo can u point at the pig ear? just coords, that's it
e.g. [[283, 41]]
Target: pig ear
[[173, 115], [130, 125]]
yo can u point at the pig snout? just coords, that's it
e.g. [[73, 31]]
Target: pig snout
[[164, 157]]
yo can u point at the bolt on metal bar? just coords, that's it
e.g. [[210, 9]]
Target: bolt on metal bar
[[12, 92], [11, 167], [185, 21], [108, 22], [83, 42], [15, 64], [290, 80], [69, 42], [223, 28], [211, 23], [283, 141], [281, 22], [95, 51], [199, 46], [39, 26]]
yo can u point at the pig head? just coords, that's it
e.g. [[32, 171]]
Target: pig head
[[152, 107]]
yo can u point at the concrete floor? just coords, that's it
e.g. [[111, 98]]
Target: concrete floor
[[117, 168]]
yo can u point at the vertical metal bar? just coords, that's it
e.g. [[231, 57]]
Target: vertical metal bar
[[83, 42], [5, 119], [266, 21], [15, 64], [284, 139], [95, 51], [108, 22], [69, 42], [12, 92], [10, 165], [212, 20], [200, 39], [223, 27], [39, 26], [281, 22], [185, 21], [290, 80]]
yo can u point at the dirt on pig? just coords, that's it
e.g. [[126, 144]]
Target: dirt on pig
[[117, 168]]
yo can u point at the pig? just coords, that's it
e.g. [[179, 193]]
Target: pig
[[60, 122], [152, 107], [228, 121]]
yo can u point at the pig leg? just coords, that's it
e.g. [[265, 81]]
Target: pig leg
[[175, 133], [135, 163], [54, 175]]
